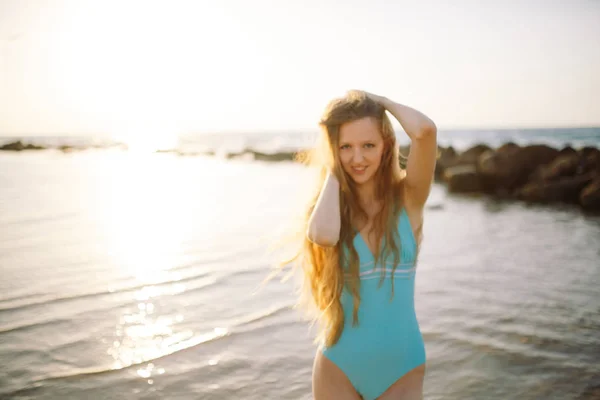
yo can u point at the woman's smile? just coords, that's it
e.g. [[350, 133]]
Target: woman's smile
[[359, 170]]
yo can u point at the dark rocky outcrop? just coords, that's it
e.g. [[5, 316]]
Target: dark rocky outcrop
[[566, 189], [511, 166], [471, 156], [446, 159], [535, 173], [589, 198], [564, 165], [279, 156], [19, 146], [449, 158], [463, 179]]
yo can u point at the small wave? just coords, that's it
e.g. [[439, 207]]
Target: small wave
[[230, 255], [261, 315], [62, 299], [211, 336], [38, 324], [177, 347], [489, 344], [21, 297], [27, 392], [197, 340], [27, 326]]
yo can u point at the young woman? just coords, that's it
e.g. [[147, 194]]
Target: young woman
[[362, 237]]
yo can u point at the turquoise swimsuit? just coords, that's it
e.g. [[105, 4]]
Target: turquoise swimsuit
[[387, 342]]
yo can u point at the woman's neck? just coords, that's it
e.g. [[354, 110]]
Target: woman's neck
[[367, 196]]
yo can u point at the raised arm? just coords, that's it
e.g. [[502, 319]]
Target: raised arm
[[324, 223], [420, 166]]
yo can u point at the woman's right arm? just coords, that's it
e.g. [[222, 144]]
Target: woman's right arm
[[324, 223]]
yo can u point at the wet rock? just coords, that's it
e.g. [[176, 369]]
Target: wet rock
[[589, 198], [490, 164], [462, 179], [19, 146], [67, 148], [567, 150], [279, 156], [470, 156], [511, 166], [233, 155], [566, 189], [562, 166], [446, 159], [403, 156], [590, 160], [508, 147]]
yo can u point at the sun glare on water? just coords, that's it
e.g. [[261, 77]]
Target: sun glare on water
[[147, 140]]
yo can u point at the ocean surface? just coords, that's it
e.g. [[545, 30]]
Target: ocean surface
[[274, 142], [138, 275]]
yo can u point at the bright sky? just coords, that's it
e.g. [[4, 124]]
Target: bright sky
[[237, 65]]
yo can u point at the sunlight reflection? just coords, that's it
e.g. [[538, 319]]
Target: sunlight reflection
[[143, 336], [146, 206], [144, 219], [147, 140]]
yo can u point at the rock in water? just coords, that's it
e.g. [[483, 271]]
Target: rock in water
[[563, 190], [462, 179], [589, 198], [590, 160], [446, 159], [562, 166], [470, 156], [511, 166], [19, 146]]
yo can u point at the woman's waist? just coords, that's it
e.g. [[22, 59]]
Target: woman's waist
[[381, 329], [376, 305]]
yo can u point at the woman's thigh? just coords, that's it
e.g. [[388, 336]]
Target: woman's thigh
[[408, 387], [330, 382]]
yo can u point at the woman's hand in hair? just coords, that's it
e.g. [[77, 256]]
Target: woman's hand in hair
[[381, 100]]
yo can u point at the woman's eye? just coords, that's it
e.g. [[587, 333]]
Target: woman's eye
[[369, 145], [344, 147]]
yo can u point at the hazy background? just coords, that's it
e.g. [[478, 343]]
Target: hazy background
[[127, 273], [157, 68]]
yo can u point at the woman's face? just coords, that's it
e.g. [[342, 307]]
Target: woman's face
[[360, 149]]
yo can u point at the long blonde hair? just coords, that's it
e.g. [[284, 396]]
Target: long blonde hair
[[323, 275]]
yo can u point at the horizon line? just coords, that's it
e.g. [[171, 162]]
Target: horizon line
[[313, 130]]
